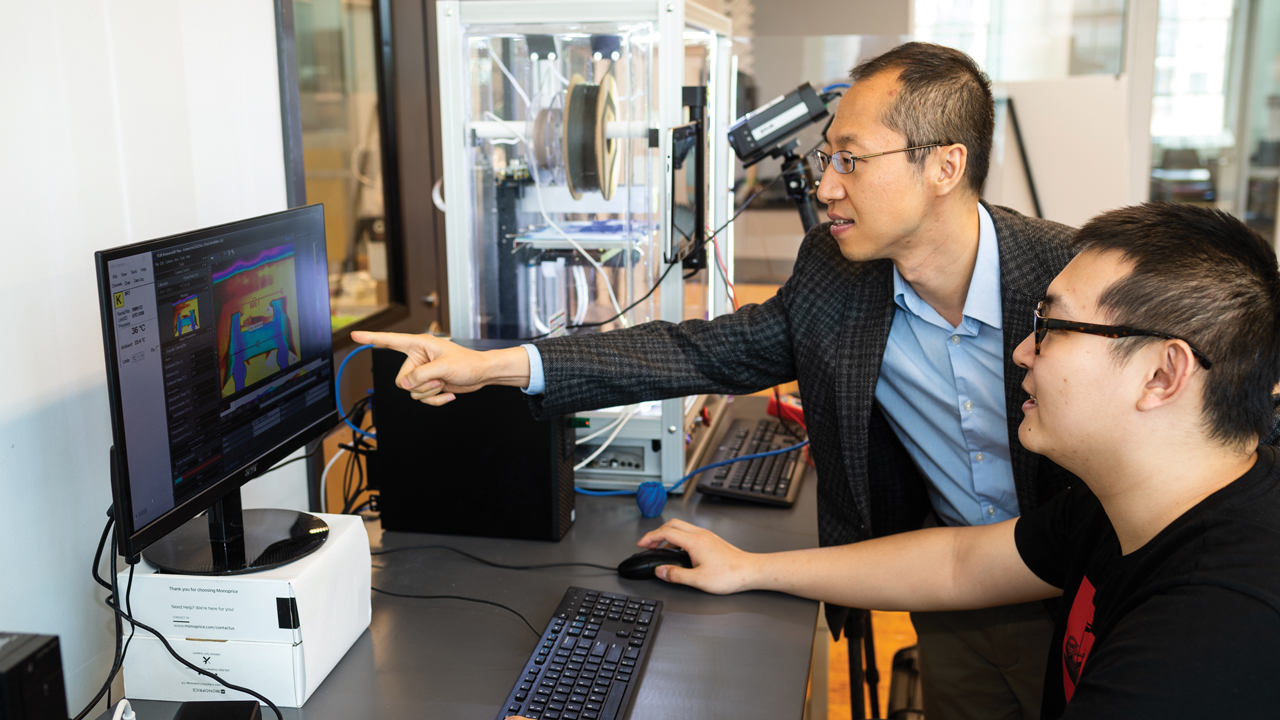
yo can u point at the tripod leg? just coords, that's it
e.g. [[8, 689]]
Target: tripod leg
[[853, 631], [872, 672]]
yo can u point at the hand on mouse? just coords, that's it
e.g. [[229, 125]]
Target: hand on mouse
[[718, 567], [437, 369]]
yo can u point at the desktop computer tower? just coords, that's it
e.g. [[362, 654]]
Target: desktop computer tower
[[480, 465], [31, 686]]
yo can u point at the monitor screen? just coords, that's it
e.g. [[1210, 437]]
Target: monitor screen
[[219, 362]]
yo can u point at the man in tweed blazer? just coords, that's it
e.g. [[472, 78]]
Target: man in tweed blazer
[[905, 229]]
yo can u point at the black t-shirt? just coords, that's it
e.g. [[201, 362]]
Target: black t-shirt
[[1187, 626]]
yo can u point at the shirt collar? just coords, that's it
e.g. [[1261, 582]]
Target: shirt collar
[[983, 301]]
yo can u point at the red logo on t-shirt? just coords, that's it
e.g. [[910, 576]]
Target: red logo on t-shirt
[[1078, 640]]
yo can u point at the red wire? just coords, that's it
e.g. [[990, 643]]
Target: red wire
[[733, 294]]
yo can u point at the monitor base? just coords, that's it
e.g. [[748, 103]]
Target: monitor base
[[268, 539]]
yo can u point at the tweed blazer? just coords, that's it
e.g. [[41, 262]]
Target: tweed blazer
[[827, 327]]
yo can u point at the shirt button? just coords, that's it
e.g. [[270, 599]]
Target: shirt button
[[979, 457], [968, 405], [955, 339], [991, 511]]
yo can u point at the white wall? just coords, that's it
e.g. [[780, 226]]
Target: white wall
[[120, 121], [1076, 132], [831, 17]]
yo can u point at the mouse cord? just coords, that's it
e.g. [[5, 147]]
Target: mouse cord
[[490, 563], [457, 597]]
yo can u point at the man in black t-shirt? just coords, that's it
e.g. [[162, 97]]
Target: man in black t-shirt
[[1149, 374]]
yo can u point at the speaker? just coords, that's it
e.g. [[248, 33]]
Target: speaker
[[480, 465]]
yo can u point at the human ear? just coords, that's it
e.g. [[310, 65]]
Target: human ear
[[1169, 376], [950, 169]]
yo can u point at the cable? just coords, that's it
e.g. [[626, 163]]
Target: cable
[[601, 431], [457, 597], [514, 85], [124, 711], [337, 383], [115, 662], [164, 641], [294, 460], [651, 496], [537, 194], [834, 86], [675, 262], [730, 461], [626, 418], [724, 275], [491, 563], [120, 615], [324, 480]]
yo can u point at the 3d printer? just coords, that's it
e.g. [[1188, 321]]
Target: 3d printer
[[586, 165]]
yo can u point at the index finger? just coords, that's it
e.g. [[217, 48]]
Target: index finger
[[395, 341], [668, 533]]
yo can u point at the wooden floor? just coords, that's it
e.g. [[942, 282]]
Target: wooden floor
[[893, 631]]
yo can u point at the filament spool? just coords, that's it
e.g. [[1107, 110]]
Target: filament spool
[[590, 159], [548, 136]]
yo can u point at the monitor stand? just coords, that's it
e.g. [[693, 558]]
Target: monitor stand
[[233, 541]]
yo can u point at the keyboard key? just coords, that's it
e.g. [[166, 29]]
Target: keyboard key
[[631, 653], [615, 699], [615, 652]]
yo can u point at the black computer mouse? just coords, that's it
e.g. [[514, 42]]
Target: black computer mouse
[[641, 565]]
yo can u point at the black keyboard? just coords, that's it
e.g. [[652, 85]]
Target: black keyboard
[[774, 480], [587, 664]]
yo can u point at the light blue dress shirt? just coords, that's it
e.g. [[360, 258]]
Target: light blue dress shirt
[[537, 378], [942, 391]]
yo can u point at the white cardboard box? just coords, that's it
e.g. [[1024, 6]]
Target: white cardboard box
[[278, 632]]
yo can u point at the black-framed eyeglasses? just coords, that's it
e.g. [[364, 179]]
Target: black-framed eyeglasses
[[843, 160], [1041, 325]]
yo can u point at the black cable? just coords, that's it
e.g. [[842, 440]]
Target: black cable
[[294, 460], [128, 606], [490, 563], [457, 597], [261, 698], [120, 615], [319, 447], [115, 662], [97, 556]]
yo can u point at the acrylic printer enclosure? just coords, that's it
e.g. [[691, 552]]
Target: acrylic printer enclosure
[[570, 208]]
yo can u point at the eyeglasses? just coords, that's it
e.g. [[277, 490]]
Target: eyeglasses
[[1041, 325], [843, 160]]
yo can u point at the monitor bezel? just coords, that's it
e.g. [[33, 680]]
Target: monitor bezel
[[132, 541]]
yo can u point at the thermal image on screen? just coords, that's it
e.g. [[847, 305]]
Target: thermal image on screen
[[186, 316], [255, 298]]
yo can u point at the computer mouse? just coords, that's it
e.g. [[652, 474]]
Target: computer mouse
[[641, 566]]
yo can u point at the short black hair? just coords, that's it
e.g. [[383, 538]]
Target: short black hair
[[945, 98], [1203, 276]]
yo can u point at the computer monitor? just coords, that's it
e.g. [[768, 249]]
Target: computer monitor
[[219, 364]]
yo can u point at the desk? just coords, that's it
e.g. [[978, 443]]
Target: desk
[[736, 656]]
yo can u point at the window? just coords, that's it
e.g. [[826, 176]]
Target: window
[[339, 101], [1029, 39]]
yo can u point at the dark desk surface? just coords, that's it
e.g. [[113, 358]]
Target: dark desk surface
[[736, 656]]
